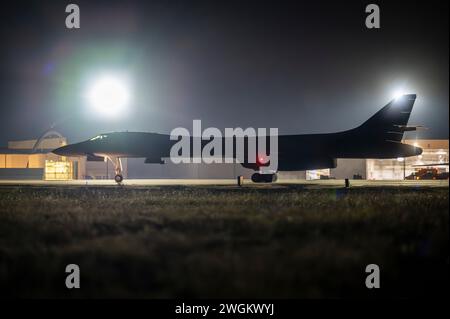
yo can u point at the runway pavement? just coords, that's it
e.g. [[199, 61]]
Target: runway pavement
[[160, 182]]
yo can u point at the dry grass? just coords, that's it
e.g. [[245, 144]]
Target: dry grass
[[280, 241]]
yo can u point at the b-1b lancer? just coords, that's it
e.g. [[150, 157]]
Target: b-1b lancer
[[377, 138]]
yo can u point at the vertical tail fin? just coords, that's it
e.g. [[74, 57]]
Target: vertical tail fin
[[389, 123]]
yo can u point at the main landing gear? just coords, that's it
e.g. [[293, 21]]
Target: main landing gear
[[264, 178]]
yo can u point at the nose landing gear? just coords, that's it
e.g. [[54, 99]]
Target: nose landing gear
[[117, 168]]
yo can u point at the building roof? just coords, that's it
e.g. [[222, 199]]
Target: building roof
[[7, 151], [45, 143]]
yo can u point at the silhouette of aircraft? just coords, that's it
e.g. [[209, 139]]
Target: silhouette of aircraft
[[377, 138]]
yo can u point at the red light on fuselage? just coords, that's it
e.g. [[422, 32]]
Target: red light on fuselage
[[261, 160]]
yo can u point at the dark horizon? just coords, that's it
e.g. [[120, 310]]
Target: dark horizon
[[301, 67]]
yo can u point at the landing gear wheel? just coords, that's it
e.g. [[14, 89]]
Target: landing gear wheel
[[264, 178], [118, 178]]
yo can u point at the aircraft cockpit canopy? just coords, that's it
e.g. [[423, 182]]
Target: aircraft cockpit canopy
[[99, 137]]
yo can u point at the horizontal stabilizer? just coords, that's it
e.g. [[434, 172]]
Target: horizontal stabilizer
[[405, 128]]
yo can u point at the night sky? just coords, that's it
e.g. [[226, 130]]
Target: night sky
[[299, 66]]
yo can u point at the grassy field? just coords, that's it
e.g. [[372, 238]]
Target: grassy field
[[282, 241]]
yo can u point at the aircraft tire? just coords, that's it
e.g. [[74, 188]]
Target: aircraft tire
[[256, 178], [118, 178]]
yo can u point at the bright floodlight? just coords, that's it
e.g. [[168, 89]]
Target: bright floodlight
[[109, 95], [398, 95]]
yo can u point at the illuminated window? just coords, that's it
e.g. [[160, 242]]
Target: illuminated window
[[58, 170], [318, 174]]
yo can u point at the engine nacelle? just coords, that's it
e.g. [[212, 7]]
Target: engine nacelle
[[154, 160]]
